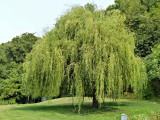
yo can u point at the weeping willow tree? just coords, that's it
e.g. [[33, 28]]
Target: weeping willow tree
[[92, 52]]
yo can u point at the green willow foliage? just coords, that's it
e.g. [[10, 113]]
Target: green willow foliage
[[91, 50]]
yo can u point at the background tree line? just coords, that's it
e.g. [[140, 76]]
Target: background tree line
[[143, 18], [12, 55]]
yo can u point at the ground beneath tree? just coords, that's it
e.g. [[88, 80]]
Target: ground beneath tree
[[62, 109]]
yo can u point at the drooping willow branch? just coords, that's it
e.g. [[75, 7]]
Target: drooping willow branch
[[84, 48]]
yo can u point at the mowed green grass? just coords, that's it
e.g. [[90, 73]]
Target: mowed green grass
[[62, 109]]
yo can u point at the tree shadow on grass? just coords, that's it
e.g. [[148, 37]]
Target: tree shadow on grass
[[117, 104], [70, 109], [105, 107], [46, 108]]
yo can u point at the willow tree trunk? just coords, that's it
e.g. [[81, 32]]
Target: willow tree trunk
[[95, 103]]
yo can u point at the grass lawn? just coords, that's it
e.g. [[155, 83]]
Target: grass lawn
[[62, 109]]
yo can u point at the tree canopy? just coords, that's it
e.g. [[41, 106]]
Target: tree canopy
[[143, 20], [153, 69], [91, 51], [12, 55], [142, 17]]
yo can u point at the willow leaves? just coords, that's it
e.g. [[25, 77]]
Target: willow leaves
[[90, 50]]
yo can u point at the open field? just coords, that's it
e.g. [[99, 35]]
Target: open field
[[62, 109]]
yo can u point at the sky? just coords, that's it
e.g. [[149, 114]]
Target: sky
[[35, 16]]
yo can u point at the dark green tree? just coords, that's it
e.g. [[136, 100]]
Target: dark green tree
[[142, 17], [12, 55], [153, 69]]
